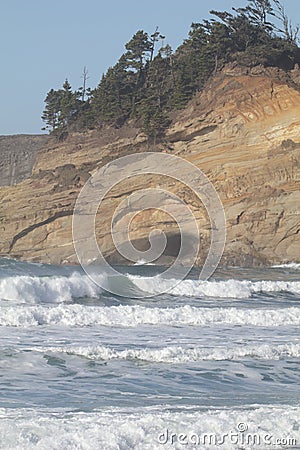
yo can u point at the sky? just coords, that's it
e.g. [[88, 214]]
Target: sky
[[43, 42]]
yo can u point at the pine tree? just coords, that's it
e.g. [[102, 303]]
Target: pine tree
[[290, 32], [258, 12], [155, 97], [69, 105], [146, 85], [52, 110], [137, 49]]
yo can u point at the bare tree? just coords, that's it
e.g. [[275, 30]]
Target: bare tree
[[155, 37], [85, 78]]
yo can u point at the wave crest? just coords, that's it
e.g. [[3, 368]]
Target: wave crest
[[54, 289], [220, 289], [132, 316], [180, 355]]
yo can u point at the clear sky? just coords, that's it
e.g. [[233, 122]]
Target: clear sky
[[43, 42]]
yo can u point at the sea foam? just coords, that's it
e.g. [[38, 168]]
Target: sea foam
[[179, 354], [132, 316], [64, 289], [151, 428], [220, 289], [52, 289]]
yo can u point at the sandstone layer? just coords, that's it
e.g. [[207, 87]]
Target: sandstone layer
[[242, 131]]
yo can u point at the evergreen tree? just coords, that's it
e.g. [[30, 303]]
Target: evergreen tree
[[52, 110], [146, 85], [154, 103], [290, 32], [137, 50], [155, 37], [193, 64], [66, 104], [258, 12]]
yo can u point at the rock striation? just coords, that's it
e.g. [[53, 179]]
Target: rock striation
[[18, 154], [242, 131]]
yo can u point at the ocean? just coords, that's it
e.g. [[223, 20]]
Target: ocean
[[208, 364]]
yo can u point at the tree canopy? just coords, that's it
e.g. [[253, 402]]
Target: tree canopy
[[150, 80]]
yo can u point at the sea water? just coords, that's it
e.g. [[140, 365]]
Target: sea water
[[208, 364]]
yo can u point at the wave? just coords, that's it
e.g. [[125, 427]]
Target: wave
[[151, 428], [143, 262], [64, 289], [132, 316], [179, 354], [293, 266], [52, 289], [220, 289]]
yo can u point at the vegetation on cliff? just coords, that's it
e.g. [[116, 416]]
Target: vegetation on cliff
[[149, 81]]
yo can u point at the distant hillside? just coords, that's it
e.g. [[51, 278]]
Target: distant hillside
[[17, 156]]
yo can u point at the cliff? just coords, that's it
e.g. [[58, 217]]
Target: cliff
[[18, 154], [242, 131]]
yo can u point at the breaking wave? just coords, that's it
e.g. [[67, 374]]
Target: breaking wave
[[54, 289], [148, 428], [293, 266], [179, 354], [221, 289], [132, 316], [64, 289]]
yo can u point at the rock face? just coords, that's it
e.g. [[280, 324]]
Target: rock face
[[18, 154], [242, 131]]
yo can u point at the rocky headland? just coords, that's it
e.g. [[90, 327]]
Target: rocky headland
[[242, 131]]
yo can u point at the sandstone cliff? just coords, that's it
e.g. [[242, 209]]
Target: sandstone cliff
[[242, 131]]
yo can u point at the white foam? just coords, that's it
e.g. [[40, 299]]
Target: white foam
[[54, 289], [132, 316], [58, 289], [179, 354], [143, 262], [294, 266], [150, 429], [221, 289]]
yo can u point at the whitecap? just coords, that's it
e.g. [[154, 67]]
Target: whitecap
[[132, 316]]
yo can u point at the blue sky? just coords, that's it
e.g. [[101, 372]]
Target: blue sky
[[42, 42]]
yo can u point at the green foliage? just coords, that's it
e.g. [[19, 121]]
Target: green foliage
[[156, 92], [257, 13], [61, 109], [137, 49], [51, 112], [147, 83]]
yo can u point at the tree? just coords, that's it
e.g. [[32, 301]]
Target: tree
[[52, 110], [290, 32], [155, 97], [258, 12], [167, 53], [253, 37], [69, 105], [62, 107], [137, 48], [145, 85], [83, 89], [155, 37], [193, 64], [219, 43]]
